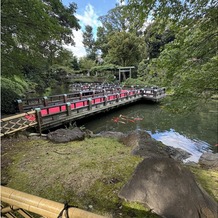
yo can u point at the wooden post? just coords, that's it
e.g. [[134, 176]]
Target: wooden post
[[105, 100], [45, 101], [20, 105], [80, 95], [127, 97], [89, 104], [104, 92], [155, 93], [68, 104], [93, 93], [118, 97], [65, 98], [39, 119]]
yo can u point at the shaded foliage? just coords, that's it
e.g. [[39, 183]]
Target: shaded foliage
[[125, 49], [8, 97], [89, 42], [32, 32], [187, 65]]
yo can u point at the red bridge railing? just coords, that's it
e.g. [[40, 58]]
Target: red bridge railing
[[45, 117]]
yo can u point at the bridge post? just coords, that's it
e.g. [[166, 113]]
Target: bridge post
[[80, 95], [39, 119], [20, 105], [127, 95], [105, 100], [118, 97], [45, 101], [155, 93], [93, 93], [89, 104], [104, 92], [68, 108], [65, 98]]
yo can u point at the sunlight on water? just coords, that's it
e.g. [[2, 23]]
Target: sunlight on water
[[195, 133], [172, 138]]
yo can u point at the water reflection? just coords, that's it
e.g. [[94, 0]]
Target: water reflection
[[195, 132], [193, 146]]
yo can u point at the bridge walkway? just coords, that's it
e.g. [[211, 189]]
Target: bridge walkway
[[58, 114]]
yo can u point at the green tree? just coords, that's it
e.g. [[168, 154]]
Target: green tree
[[114, 21], [156, 38], [86, 64], [125, 49], [102, 41], [89, 42], [189, 63], [33, 30]]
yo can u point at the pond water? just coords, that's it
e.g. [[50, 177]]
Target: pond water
[[196, 132]]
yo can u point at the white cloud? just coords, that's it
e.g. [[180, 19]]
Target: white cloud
[[78, 50], [89, 17]]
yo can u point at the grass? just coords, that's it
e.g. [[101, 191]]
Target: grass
[[208, 179], [88, 174]]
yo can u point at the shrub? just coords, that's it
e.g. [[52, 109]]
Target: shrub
[[8, 97]]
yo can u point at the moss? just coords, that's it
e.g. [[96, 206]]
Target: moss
[[208, 179], [88, 174]]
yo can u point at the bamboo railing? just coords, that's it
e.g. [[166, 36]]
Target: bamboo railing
[[18, 122], [20, 202]]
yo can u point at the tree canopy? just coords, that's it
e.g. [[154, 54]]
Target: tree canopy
[[89, 42], [33, 30], [188, 63]]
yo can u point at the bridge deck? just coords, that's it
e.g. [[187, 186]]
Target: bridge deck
[[63, 118], [58, 114]]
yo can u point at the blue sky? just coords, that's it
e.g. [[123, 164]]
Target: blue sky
[[88, 12]]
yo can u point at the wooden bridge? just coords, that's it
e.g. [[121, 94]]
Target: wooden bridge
[[54, 111], [48, 112]]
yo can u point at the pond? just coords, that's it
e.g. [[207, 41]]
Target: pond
[[195, 132]]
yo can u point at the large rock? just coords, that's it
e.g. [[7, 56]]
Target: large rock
[[209, 160], [111, 134], [169, 189], [145, 146], [66, 135]]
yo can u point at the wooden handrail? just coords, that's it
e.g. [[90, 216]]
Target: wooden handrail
[[40, 206]]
